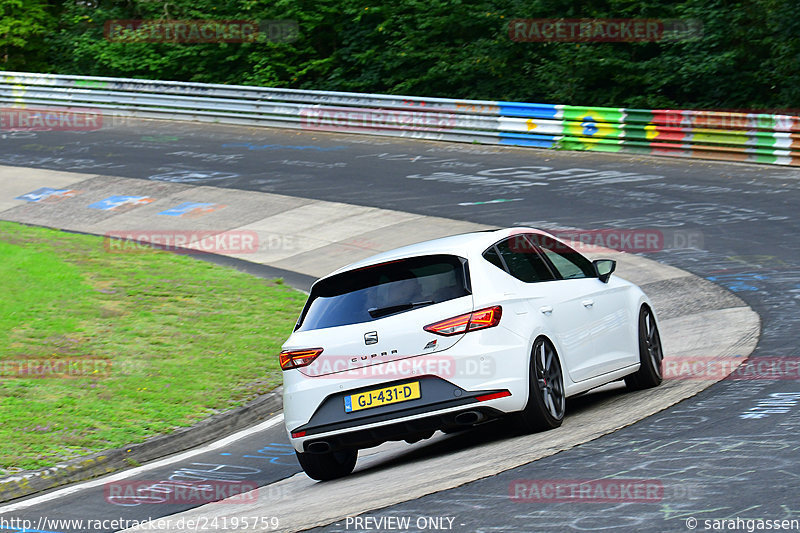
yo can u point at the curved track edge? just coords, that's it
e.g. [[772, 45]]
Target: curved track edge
[[699, 321]]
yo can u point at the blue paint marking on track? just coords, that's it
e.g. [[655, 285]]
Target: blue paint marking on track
[[738, 282], [184, 208], [112, 202], [43, 193], [276, 453]]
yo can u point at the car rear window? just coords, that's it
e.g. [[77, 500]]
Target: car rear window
[[382, 290]]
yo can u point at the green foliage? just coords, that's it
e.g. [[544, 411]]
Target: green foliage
[[747, 57], [23, 26]]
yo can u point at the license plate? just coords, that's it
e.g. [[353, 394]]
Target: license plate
[[385, 396]]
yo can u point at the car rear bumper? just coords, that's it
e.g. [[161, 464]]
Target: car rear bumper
[[413, 429], [437, 396], [482, 363]]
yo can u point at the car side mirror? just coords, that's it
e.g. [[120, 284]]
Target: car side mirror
[[604, 268]]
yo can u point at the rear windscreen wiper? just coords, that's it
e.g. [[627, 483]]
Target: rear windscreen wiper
[[377, 312]]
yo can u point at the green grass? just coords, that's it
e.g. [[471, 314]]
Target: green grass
[[184, 339]]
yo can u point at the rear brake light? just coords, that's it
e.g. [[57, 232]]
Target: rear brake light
[[297, 358], [481, 319]]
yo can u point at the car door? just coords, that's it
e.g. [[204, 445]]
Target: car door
[[556, 302], [602, 305]]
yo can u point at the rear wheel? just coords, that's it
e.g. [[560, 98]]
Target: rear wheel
[[650, 353], [546, 397], [325, 466]]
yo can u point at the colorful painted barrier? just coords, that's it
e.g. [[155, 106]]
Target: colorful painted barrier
[[729, 136]]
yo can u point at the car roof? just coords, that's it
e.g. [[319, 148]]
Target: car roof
[[464, 245]]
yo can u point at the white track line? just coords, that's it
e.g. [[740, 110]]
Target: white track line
[[139, 469]]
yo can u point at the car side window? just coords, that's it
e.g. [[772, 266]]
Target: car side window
[[520, 259], [568, 262], [492, 256]]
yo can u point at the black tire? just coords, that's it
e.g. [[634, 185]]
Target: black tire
[[326, 466], [546, 397], [651, 354]]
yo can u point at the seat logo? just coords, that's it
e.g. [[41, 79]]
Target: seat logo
[[371, 337]]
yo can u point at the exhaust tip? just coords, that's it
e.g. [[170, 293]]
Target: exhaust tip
[[319, 446], [468, 418]]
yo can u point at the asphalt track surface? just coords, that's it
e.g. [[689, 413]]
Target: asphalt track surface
[[730, 452]]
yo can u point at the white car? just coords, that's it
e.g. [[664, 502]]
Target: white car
[[453, 332]]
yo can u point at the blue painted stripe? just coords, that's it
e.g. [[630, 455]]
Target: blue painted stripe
[[519, 109], [528, 139]]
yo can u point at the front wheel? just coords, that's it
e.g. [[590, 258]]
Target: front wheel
[[650, 353], [546, 397], [326, 466]]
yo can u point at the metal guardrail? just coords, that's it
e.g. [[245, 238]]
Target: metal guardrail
[[749, 137]]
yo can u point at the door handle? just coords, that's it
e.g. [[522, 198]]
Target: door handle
[[588, 303], [546, 309]]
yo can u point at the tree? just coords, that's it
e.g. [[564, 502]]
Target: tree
[[747, 56], [23, 27]]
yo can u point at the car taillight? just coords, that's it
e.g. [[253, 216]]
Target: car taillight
[[481, 319], [297, 358]]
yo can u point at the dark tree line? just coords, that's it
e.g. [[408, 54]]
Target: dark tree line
[[748, 55]]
